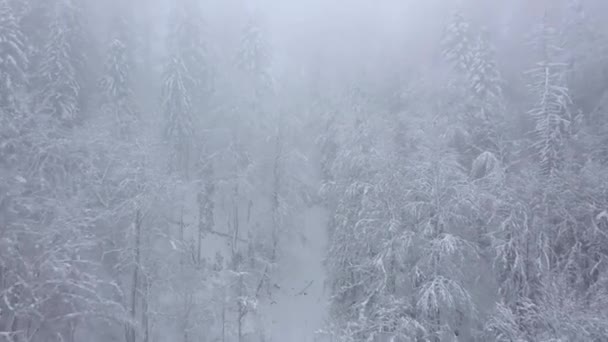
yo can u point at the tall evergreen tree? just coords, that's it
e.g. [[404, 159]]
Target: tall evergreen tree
[[253, 60], [458, 42], [469, 52], [177, 105], [484, 78], [116, 85], [551, 111], [184, 80], [60, 69]]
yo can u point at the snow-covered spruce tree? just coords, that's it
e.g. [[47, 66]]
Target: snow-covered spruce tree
[[368, 302], [578, 247], [545, 232], [472, 91], [121, 193], [440, 209], [442, 221], [184, 78], [458, 42], [548, 251], [52, 278], [13, 58], [517, 258], [177, 106], [253, 60], [353, 240], [129, 184], [61, 63], [58, 277], [470, 54], [484, 78], [187, 41], [117, 84], [551, 111]]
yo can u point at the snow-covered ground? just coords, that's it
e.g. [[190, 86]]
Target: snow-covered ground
[[300, 303]]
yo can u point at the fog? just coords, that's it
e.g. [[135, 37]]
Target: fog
[[303, 171]]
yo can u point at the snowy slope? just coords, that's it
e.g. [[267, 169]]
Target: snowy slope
[[300, 302]]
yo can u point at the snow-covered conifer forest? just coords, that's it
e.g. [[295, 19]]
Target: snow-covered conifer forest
[[303, 171]]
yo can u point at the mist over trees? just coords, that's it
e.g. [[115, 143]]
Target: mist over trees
[[244, 171]]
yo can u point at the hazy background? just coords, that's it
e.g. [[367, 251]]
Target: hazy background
[[299, 171]]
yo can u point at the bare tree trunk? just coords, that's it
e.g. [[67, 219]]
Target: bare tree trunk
[[236, 262], [276, 195], [242, 310], [181, 225], [199, 242], [182, 272], [235, 225], [72, 330], [135, 286], [438, 323], [186, 318], [224, 316], [144, 309], [205, 204], [392, 275], [14, 328]]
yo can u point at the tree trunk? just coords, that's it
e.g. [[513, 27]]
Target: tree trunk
[[276, 196], [236, 262], [135, 286], [241, 311], [224, 317], [144, 310], [199, 240]]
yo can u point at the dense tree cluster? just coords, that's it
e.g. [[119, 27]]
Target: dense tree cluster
[[460, 228]]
